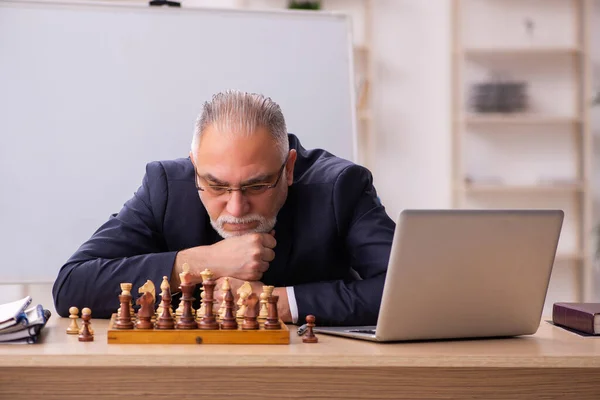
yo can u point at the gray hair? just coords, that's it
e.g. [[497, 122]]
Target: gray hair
[[242, 113]]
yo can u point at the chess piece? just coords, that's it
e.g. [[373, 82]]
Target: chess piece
[[148, 287], [272, 321], [251, 315], [86, 335], [224, 288], [146, 311], [89, 326], [163, 286], [243, 292], [186, 320], [264, 312], [179, 310], [149, 302], [228, 320], [126, 290], [184, 276], [309, 336], [165, 319], [73, 329], [124, 317], [202, 310], [242, 305], [208, 320]]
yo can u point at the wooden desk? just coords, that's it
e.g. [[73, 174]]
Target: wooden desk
[[551, 364]]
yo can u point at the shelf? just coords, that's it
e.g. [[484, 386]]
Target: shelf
[[518, 119], [364, 115], [361, 48], [521, 51], [568, 257], [524, 189]]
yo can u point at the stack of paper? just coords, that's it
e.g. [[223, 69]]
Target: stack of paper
[[20, 324]]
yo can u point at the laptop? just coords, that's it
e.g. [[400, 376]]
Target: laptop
[[456, 274]]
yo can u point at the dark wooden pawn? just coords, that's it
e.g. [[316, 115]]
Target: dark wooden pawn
[[272, 321], [208, 321], [251, 315], [124, 319], [85, 335], [165, 319], [309, 336], [228, 321], [187, 321]]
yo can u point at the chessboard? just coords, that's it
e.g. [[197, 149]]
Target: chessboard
[[197, 336], [250, 320]]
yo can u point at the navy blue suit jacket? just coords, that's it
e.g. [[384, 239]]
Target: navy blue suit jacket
[[333, 241]]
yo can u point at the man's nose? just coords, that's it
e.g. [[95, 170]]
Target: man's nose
[[237, 205]]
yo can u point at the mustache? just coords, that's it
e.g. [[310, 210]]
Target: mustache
[[229, 219]]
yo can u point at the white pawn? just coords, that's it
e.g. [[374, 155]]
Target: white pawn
[[264, 311], [73, 329]]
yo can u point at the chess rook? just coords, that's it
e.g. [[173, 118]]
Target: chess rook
[[272, 321], [126, 290], [124, 318]]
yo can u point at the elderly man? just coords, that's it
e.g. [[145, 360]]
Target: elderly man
[[250, 203]]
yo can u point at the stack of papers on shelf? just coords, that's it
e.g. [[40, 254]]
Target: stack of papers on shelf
[[20, 323]]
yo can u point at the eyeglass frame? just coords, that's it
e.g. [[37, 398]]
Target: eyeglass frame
[[242, 189]]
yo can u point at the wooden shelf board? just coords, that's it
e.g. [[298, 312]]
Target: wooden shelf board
[[518, 119], [501, 188], [364, 115], [520, 51], [568, 257], [361, 48]]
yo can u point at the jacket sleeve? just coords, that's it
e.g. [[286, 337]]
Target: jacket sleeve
[[367, 232], [129, 247]]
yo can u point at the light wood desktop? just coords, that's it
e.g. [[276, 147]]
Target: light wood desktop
[[553, 363]]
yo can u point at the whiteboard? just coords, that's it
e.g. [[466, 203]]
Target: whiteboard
[[89, 93]]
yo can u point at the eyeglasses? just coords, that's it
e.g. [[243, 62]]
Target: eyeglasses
[[250, 190]]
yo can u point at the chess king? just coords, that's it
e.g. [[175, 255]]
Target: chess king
[[249, 203]]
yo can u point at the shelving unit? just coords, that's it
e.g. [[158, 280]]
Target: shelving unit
[[522, 119], [557, 117]]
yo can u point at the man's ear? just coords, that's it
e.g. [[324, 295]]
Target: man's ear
[[289, 168]]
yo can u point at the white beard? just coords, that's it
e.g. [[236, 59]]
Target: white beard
[[265, 225]]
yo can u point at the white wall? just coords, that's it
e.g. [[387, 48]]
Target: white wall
[[412, 103]]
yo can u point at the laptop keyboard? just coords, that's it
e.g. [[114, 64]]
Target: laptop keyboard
[[368, 331]]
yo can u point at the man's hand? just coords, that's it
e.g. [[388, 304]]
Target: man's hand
[[244, 257]]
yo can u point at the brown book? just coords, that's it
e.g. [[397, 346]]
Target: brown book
[[583, 317]]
